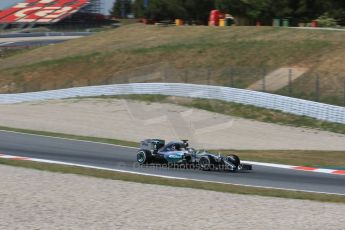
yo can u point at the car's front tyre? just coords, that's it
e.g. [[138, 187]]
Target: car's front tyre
[[205, 163]]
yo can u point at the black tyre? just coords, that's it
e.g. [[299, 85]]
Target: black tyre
[[235, 160], [143, 157], [205, 163]]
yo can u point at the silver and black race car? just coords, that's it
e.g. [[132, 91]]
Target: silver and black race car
[[155, 151]]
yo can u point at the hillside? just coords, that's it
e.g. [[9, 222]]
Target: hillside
[[236, 56]]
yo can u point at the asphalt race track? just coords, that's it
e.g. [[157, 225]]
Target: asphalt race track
[[44, 34], [29, 43], [123, 158]]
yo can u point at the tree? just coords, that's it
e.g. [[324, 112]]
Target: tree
[[281, 9], [253, 9], [138, 8], [166, 10], [249, 10], [337, 10], [121, 8], [310, 9], [199, 10]]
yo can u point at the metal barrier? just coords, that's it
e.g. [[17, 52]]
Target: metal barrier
[[265, 100]]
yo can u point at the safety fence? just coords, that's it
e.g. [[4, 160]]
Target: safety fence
[[298, 82], [260, 99]]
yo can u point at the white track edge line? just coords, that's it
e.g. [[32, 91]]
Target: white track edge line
[[296, 168]]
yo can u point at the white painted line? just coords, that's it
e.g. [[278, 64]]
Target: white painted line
[[162, 176], [6, 43], [269, 164], [317, 28], [330, 171], [6, 157], [298, 168]]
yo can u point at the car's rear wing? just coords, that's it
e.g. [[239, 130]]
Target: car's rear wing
[[152, 144]]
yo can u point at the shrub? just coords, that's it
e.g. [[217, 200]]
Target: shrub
[[326, 21]]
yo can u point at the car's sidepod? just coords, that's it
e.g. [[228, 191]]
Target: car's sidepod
[[174, 156]]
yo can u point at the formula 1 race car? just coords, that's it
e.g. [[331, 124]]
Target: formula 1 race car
[[178, 153]]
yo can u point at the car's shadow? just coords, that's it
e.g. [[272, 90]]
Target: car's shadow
[[189, 168]]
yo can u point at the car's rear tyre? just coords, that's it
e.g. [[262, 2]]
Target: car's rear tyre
[[205, 163], [143, 157], [235, 160]]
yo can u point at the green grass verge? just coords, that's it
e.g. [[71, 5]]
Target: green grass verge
[[74, 137], [6, 53], [241, 110], [176, 183]]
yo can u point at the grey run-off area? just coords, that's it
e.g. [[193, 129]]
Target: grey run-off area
[[64, 201]]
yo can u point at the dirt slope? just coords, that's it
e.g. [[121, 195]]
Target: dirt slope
[[135, 121]]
